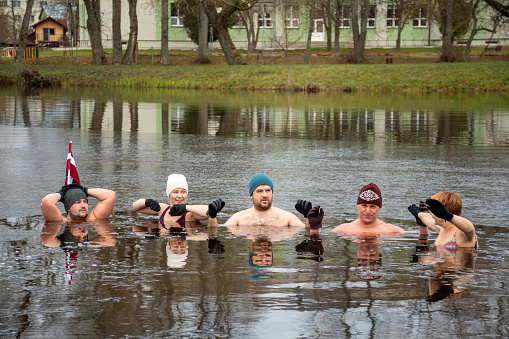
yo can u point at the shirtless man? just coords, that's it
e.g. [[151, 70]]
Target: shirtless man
[[75, 199], [263, 213], [369, 203]]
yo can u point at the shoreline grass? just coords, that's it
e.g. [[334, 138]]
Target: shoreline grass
[[492, 76]]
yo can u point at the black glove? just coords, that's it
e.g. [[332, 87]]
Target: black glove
[[216, 247], [315, 217], [303, 206], [439, 210], [214, 207], [153, 205], [177, 209], [415, 211], [65, 188]]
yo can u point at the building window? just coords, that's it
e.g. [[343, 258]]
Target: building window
[[264, 18], [292, 16], [372, 16], [420, 17], [16, 4], [392, 16], [344, 16], [43, 3], [175, 17], [17, 19], [32, 18], [3, 3]]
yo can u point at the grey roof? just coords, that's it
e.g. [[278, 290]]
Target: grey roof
[[56, 12]]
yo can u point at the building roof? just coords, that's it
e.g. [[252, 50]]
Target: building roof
[[56, 12], [61, 22]]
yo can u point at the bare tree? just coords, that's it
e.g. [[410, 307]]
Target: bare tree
[[252, 30], [5, 25], [132, 43], [359, 27], [447, 33], [23, 32], [328, 16], [499, 6], [94, 30], [203, 32], [477, 27], [165, 54], [13, 16], [310, 31], [219, 19], [117, 33]]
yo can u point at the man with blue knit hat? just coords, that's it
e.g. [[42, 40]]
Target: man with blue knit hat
[[263, 213], [75, 199]]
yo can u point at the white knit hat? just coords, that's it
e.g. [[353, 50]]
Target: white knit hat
[[175, 260], [176, 181]]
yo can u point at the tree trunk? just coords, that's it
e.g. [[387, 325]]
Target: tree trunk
[[359, 30], [328, 21], [23, 32], [13, 33], [310, 31], [203, 33], [117, 33], [337, 27], [132, 43], [217, 21], [447, 35], [94, 30], [165, 54]]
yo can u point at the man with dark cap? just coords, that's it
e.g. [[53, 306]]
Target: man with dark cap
[[369, 203], [263, 213], [75, 199]]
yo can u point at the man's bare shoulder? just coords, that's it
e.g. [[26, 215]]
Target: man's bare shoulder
[[382, 228], [390, 228], [237, 218], [345, 228]]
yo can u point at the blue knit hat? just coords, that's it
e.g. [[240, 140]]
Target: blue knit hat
[[258, 180]]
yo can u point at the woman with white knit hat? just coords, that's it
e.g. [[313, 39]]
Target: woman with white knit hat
[[177, 213]]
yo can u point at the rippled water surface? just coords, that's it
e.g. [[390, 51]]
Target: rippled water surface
[[126, 281]]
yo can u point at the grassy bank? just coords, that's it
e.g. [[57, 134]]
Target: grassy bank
[[408, 77]]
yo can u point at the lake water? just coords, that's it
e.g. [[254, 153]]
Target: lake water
[[322, 148]]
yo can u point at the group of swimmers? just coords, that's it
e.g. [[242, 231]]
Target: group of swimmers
[[441, 213]]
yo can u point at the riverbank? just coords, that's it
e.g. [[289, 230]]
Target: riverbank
[[396, 77]]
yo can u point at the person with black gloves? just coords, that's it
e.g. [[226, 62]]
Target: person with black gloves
[[453, 231], [75, 200], [263, 212], [178, 212], [369, 204]]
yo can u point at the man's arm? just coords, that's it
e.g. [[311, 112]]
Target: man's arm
[[233, 220], [106, 203], [49, 207], [293, 220], [49, 234]]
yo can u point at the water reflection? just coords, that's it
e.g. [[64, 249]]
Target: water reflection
[[312, 284], [369, 259], [466, 119], [74, 238], [450, 270]]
